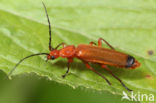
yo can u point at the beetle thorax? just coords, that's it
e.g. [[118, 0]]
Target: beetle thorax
[[67, 52]]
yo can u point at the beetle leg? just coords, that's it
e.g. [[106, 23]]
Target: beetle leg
[[91, 68], [91, 43], [68, 66], [105, 67], [63, 45], [100, 43]]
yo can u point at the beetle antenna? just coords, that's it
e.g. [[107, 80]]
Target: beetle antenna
[[50, 47], [24, 59]]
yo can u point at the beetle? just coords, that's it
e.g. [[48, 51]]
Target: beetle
[[88, 53]]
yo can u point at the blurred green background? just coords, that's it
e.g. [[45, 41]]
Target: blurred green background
[[29, 88]]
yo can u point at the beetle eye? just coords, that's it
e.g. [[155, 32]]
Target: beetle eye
[[52, 57]]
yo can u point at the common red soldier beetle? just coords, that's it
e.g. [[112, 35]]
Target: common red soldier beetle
[[88, 53]]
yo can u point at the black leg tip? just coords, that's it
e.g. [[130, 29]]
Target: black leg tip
[[63, 76], [129, 90], [109, 82]]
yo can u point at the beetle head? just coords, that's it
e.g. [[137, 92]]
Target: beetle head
[[53, 55]]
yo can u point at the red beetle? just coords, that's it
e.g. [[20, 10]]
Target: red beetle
[[89, 53]]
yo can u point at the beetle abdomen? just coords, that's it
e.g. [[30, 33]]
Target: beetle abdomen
[[101, 55]]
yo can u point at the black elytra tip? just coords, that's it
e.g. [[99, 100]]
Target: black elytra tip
[[130, 61]]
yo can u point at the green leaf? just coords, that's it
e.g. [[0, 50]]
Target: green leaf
[[128, 25]]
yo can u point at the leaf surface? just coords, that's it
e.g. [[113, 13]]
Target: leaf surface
[[128, 25]]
